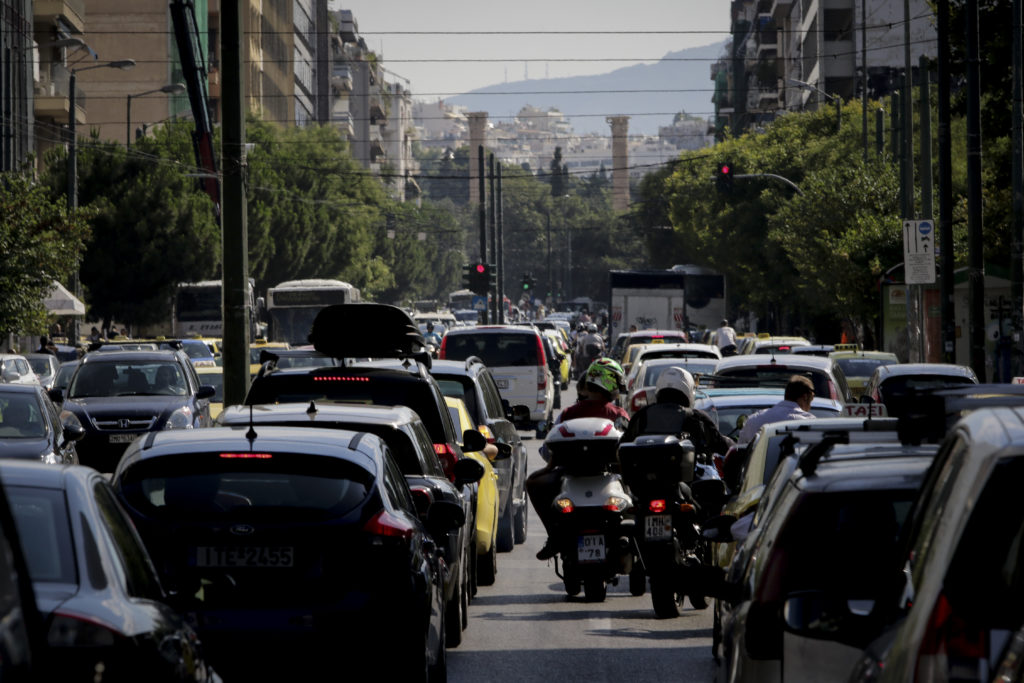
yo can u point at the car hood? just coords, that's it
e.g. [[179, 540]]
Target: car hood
[[126, 405], [25, 448]]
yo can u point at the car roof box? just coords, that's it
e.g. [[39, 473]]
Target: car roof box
[[366, 331]]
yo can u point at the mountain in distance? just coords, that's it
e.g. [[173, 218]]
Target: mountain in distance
[[680, 81]]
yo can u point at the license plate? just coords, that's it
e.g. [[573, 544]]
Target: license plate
[[244, 556], [591, 548], [657, 527], [122, 438], [502, 383]]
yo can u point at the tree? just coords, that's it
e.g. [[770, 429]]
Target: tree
[[559, 175], [39, 243]]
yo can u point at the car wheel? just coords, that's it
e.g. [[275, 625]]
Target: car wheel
[[487, 566], [506, 534], [519, 526], [453, 617]]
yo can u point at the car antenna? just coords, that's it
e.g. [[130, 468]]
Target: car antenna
[[251, 434], [311, 410]]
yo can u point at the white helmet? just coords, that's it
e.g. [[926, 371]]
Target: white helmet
[[678, 379]]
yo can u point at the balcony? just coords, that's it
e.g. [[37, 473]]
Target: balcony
[[51, 98], [377, 152], [343, 122], [72, 12], [378, 117], [341, 78], [349, 29], [780, 9]]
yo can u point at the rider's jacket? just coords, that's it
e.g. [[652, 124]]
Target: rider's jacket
[[672, 418]]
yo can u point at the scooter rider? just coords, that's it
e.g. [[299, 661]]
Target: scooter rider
[[673, 413], [432, 337], [603, 381]]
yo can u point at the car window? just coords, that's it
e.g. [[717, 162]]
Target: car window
[[42, 520], [428, 456], [862, 367], [139, 575], [495, 349], [767, 375], [492, 397], [40, 365], [130, 378], [21, 417], [936, 495], [461, 387], [396, 486]]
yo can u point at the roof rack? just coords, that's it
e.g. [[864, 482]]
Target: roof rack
[[933, 412], [809, 459]]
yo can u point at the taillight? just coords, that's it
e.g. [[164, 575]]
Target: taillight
[[638, 401], [542, 378], [341, 378], [486, 431], [448, 459], [564, 505], [444, 344], [246, 456], [616, 504], [541, 358], [687, 507], [388, 525], [949, 642], [75, 630], [656, 506]]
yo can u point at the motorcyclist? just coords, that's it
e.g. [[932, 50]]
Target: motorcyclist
[[603, 381], [432, 337], [589, 345], [673, 413]]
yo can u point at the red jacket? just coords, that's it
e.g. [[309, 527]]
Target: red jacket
[[594, 408]]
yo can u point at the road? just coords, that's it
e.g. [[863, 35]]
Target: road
[[525, 628]]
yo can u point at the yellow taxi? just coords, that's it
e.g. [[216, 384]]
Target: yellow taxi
[[214, 376], [859, 365], [486, 499], [258, 345], [562, 349]]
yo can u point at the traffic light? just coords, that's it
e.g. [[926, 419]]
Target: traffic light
[[527, 282], [467, 276], [479, 278], [724, 177]]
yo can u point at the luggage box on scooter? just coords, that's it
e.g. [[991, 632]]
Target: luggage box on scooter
[[657, 457], [583, 458]]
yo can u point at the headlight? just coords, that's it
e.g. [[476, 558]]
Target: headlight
[[180, 419]]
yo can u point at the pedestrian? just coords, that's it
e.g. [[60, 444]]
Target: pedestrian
[[46, 346], [94, 335], [725, 338], [795, 405]]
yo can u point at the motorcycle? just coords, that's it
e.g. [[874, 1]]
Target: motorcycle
[[593, 532], [674, 492]]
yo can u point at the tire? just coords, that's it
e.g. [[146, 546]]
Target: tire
[[595, 590], [506, 541], [453, 618], [558, 397], [663, 598], [698, 601], [572, 587], [716, 633], [519, 524], [487, 567], [438, 673], [637, 581]]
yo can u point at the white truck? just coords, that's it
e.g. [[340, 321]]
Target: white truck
[[683, 298]]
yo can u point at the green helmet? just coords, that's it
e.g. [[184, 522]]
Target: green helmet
[[606, 375]]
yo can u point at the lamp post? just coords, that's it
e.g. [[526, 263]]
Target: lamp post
[[831, 98], [171, 89]]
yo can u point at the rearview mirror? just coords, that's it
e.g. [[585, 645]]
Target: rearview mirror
[[472, 440], [467, 471]]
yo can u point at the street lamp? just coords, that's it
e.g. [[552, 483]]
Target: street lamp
[[831, 98], [172, 89]]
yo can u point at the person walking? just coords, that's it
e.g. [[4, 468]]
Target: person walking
[[725, 338]]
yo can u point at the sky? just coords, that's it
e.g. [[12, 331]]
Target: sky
[[425, 43]]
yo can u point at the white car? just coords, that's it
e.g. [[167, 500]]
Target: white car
[[15, 369]]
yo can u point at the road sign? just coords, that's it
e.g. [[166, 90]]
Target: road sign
[[479, 303], [919, 252]]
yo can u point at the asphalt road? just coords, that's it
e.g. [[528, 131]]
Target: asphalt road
[[525, 628]]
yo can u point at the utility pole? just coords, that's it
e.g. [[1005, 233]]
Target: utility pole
[[975, 244], [1017, 178], [926, 187], [501, 252], [482, 212], [864, 75], [234, 235], [947, 263], [496, 305]]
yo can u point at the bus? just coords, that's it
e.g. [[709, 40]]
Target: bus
[[197, 309], [292, 306]]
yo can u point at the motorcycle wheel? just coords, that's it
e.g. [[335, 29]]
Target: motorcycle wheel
[[698, 601], [595, 590], [572, 587], [663, 598], [637, 581]]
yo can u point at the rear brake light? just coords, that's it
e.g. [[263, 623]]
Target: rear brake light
[[564, 431], [541, 359], [386, 524], [74, 630], [444, 344], [486, 431], [639, 401], [344, 378], [604, 432], [616, 504], [448, 459], [656, 505], [247, 456], [784, 348], [564, 505]]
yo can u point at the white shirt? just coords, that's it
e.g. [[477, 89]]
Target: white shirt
[[725, 336], [783, 410]]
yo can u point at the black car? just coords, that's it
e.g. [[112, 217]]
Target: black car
[[303, 541], [22, 634], [119, 395], [103, 606], [472, 381], [32, 427], [407, 438]]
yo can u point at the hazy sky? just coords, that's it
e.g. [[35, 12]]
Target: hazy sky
[[519, 40]]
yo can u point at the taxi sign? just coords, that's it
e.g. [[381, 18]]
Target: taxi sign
[[865, 410], [846, 347]]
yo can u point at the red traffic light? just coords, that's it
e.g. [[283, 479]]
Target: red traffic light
[[724, 169], [480, 268]]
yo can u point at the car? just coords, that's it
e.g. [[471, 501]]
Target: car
[[295, 540], [858, 365], [15, 369], [473, 382], [830, 540], [767, 343], [561, 355], [213, 375], [812, 349], [95, 585], [45, 366], [23, 650], [303, 357], [754, 369], [516, 358], [120, 395], [625, 339], [644, 375], [898, 386], [198, 351], [730, 407], [255, 349], [407, 439], [32, 427], [63, 377], [485, 535]]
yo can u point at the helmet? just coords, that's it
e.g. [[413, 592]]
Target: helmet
[[430, 326], [675, 379], [591, 327], [606, 375]]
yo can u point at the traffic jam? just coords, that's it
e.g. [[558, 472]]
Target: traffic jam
[[427, 501]]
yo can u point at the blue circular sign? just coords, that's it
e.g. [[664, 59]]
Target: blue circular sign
[[924, 227]]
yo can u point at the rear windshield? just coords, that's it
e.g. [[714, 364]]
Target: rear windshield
[[496, 350], [653, 372], [459, 389], [21, 417], [862, 367], [778, 377], [42, 521], [245, 485]]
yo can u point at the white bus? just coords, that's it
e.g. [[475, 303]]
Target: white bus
[[292, 306], [197, 309]]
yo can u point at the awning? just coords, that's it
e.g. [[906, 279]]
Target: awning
[[62, 302]]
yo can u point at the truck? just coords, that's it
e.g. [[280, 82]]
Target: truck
[[682, 298]]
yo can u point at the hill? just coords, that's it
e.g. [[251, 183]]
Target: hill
[[680, 81]]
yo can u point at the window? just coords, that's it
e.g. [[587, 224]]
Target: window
[[495, 350], [42, 521], [492, 397], [138, 573]]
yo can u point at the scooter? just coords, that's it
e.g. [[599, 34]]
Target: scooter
[[674, 491], [593, 529]]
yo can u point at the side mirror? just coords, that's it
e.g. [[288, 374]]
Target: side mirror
[[504, 451], [472, 440], [467, 471], [206, 391], [56, 395], [73, 432], [444, 515]]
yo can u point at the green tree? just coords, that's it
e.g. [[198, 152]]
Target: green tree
[[39, 243], [558, 175]]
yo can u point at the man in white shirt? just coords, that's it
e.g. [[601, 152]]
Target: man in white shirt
[[795, 405], [725, 338]]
